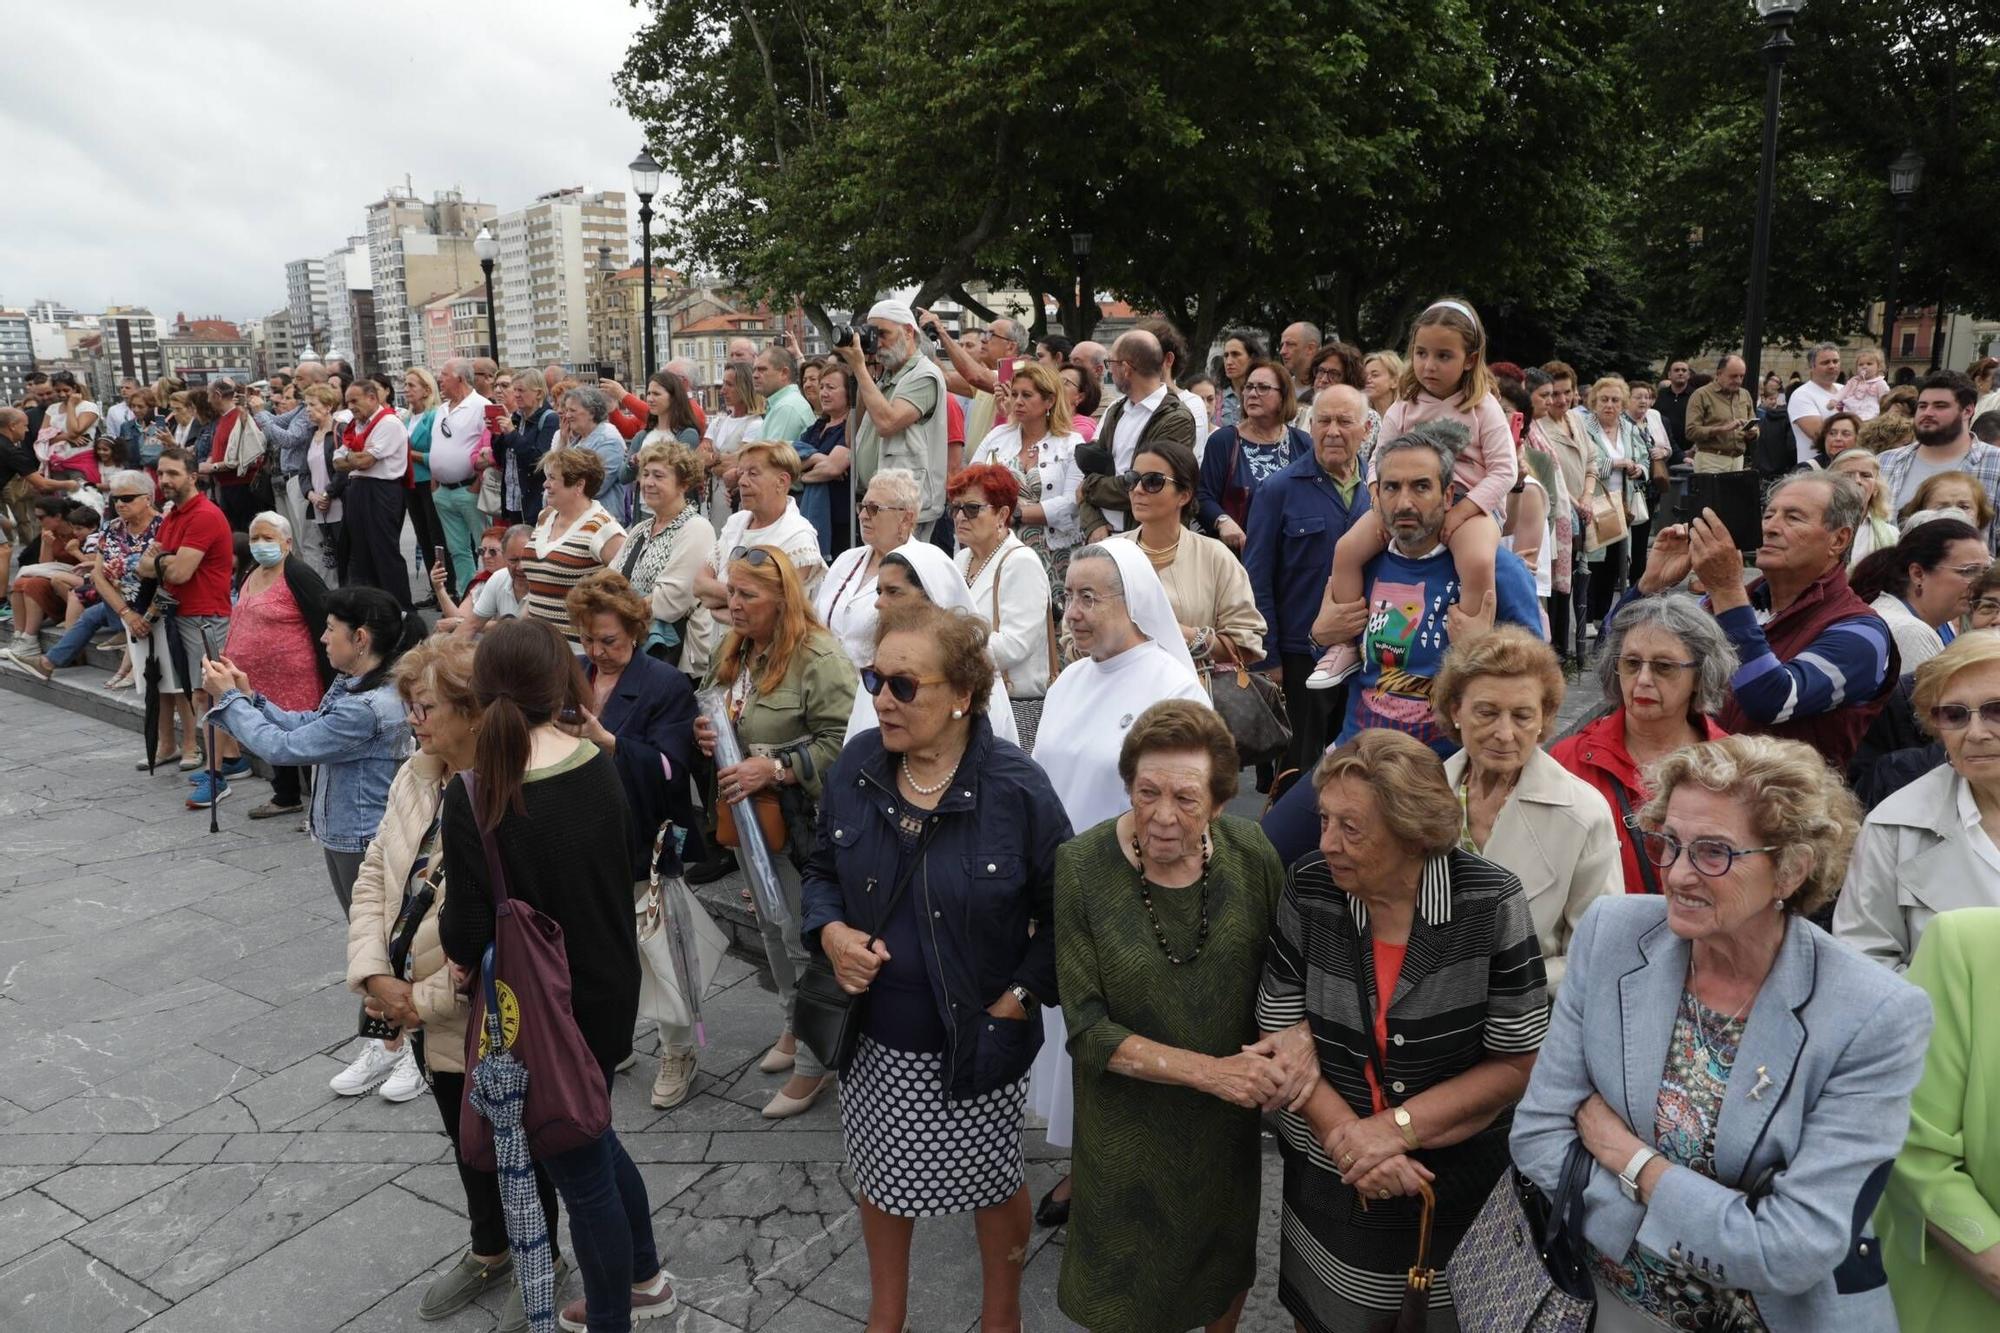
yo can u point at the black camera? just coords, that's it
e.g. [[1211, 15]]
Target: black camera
[[867, 336]]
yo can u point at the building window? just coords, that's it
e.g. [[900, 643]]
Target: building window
[[1909, 348]]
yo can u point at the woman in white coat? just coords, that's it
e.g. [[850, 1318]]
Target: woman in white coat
[[1934, 846], [1497, 696], [1010, 587]]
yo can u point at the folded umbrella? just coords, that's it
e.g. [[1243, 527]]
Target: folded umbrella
[[499, 1091], [765, 890]]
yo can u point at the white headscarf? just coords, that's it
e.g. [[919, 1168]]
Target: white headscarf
[[945, 587], [1146, 601]]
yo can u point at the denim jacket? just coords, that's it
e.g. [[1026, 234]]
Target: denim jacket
[[357, 738], [989, 871]]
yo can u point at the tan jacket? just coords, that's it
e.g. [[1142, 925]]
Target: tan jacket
[[1715, 420], [378, 895]]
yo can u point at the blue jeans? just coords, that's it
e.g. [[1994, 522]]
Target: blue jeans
[[610, 1226], [96, 618], [1292, 824]]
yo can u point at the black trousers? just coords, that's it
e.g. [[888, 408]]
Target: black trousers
[[372, 512], [287, 783], [238, 505], [482, 1188], [1607, 576], [429, 531], [1642, 536], [1315, 714]]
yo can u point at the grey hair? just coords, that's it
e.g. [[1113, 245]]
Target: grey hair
[[460, 366], [522, 530], [783, 356], [1443, 437], [899, 484], [1682, 616], [1099, 551], [1812, 357], [1844, 503], [592, 400], [276, 520], [1311, 331], [124, 477]]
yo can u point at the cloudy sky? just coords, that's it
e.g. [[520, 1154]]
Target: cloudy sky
[[177, 158]]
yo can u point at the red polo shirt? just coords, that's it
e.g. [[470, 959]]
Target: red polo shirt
[[198, 523]]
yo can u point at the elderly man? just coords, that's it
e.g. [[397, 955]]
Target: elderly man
[[1944, 443], [775, 375], [1093, 357], [1812, 402], [742, 351], [902, 419], [552, 375], [1409, 614], [978, 369], [460, 426], [1295, 520], [1721, 419], [1149, 411], [1817, 662], [1297, 346]]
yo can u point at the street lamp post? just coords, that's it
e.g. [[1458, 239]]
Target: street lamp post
[[646, 184], [1079, 245], [488, 250], [1778, 15], [1906, 173]]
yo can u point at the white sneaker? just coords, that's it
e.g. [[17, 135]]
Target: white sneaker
[[406, 1080], [369, 1068]]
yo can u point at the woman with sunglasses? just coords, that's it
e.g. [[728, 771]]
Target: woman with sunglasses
[[846, 601], [1206, 584], [1711, 1045], [917, 574], [791, 690], [1009, 586], [492, 560], [939, 852], [1923, 584], [1934, 846]]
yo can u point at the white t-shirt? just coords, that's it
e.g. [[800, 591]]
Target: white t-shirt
[[495, 599], [792, 533], [1809, 400]]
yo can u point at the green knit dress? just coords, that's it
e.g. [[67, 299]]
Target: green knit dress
[[1163, 1227]]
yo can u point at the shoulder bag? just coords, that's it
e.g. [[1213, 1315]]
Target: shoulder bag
[[1607, 518], [527, 970], [1521, 1266], [824, 1016], [1648, 874], [1252, 707]]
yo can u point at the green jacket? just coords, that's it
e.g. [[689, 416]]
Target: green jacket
[[805, 717]]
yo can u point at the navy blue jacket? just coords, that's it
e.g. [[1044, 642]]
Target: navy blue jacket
[[1295, 520], [651, 714], [523, 447], [1218, 477], [988, 872]]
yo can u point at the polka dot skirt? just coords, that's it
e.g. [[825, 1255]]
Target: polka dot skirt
[[916, 1153]]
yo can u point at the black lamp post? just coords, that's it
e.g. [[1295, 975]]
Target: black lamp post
[[1778, 14], [646, 184], [1906, 173], [488, 250], [1079, 245]]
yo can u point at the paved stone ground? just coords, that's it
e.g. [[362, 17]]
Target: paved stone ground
[[171, 1009]]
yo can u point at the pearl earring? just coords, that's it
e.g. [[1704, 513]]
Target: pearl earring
[[957, 713]]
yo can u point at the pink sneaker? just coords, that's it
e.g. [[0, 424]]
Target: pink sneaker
[[650, 1302], [1341, 661]]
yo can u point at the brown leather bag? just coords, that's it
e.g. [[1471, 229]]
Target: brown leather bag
[[770, 818]]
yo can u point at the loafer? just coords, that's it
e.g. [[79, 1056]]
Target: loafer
[[162, 762], [514, 1313], [456, 1287], [271, 810]]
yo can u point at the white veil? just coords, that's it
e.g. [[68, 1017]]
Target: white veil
[[945, 587], [1146, 601]]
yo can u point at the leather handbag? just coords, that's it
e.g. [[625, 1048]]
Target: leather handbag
[[568, 1104], [1521, 1266], [770, 818], [1252, 707], [824, 1015], [1607, 518]]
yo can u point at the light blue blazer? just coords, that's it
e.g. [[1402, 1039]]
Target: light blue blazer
[[1841, 1040]]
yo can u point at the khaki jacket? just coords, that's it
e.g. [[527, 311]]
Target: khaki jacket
[[806, 716], [1715, 420], [378, 895]]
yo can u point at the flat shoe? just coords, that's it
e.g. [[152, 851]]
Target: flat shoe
[[781, 1107], [776, 1061], [1051, 1211], [161, 762]]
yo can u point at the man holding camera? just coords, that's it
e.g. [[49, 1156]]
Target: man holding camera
[[1721, 420], [903, 418]]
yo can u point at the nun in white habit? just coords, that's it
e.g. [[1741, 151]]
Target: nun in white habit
[[941, 583], [1118, 614]]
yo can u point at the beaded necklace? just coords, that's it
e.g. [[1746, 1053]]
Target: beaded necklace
[[1146, 888]]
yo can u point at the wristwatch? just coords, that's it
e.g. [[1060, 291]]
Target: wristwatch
[[784, 769], [1024, 997], [1401, 1115], [1628, 1179]]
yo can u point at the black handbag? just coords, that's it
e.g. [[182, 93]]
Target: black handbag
[[824, 1015]]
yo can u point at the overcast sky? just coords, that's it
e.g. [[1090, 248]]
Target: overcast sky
[[176, 158]]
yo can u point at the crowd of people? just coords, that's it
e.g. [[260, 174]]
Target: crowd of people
[[960, 646]]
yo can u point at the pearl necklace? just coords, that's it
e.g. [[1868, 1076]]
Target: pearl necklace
[[918, 787]]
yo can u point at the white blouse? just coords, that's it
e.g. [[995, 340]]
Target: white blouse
[[1020, 638]]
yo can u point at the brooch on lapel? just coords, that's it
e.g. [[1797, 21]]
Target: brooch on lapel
[[1763, 1082]]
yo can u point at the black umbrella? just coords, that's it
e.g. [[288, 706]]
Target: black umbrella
[[161, 604]]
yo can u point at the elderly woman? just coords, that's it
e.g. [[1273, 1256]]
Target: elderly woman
[[1738, 1079], [742, 418], [1038, 445], [1414, 963], [1938, 1216], [1497, 696], [404, 858], [918, 573], [1624, 460], [492, 560], [113, 571], [1931, 847], [1162, 917], [1209, 591], [584, 412], [827, 498], [1241, 456], [641, 713], [664, 550], [930, 893], [766, 471], [790, 690], [1132, 657], [1922, 585], [574, 537], [520, 450], [846, 601], [1877, 530], [1950, 490], [1667, 665], [1009, 587]]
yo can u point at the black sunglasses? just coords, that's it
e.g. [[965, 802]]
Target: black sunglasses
[[965, 508], [903, 687], [751, 555], [125, 499], [1152, 483]]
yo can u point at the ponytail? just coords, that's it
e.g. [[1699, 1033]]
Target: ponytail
[[500, 754], [523, 676]]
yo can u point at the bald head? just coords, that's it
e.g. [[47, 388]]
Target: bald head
[[1140, 363], [552, 375], [1091, 354], [13, 423], [1297, 346]]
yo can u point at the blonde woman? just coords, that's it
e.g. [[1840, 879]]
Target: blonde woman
[[1877, 530], [1623, 460], [1038, 445], [742, 419], [420, 415], [1381, 372]]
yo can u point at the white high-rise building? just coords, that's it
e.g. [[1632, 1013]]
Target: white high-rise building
[[131, 344], [347, 273], [306, 298], [417, 252], [548, 252]]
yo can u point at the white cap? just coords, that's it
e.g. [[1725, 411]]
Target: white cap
[[896, 312]]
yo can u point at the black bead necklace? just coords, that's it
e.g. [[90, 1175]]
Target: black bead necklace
[[1146, 887]]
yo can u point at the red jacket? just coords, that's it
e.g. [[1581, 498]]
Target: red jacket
[[1597, 754], [223, 476], [628, 415]]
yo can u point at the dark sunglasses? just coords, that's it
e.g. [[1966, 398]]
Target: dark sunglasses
[[125, 499], [869, 509], [1152, 483], [903, 687], [965, 508], [751, 555]]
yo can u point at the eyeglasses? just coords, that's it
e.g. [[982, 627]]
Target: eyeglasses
[[1665, 670], [1710, 857], [1972, 570], [1986, 606], [869, 509], [753, 556], [966, 509], [1957, 717], [1254, 387], [904, 688], [418, 712], [1152, 483], [1089, 598], [1326, 375]]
